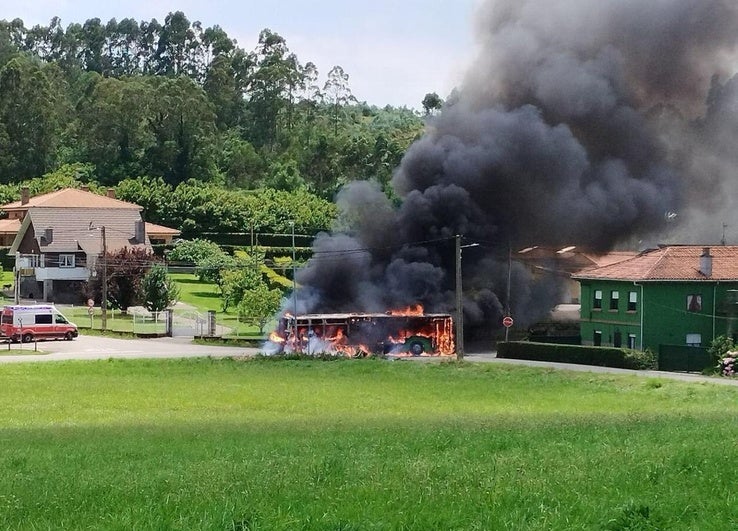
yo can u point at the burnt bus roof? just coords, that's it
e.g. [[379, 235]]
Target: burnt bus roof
[[339, 316]]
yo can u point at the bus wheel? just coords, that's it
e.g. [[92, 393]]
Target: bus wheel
[[27, 338], [416, 348], [69, 336]]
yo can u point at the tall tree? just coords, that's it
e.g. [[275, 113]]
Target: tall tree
[[223, 91], [93, 36], [177, 47], [149, 37], [28, 118], [123, 47], [275, 75], [182, 123], [432, 102], [112, 128], [337, 93]]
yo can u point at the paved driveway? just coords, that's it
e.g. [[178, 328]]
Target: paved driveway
[[95, 347]]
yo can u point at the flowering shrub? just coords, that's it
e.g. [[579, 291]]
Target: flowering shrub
[[727, 364]]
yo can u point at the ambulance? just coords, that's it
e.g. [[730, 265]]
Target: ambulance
[[32, 322]]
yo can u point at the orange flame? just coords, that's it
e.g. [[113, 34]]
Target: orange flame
[[416, 309], [415, 334]]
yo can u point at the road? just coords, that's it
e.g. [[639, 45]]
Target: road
[[98, 347]]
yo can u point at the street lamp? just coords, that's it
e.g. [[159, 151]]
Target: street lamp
[[459, 300]]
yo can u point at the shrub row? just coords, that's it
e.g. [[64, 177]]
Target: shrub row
[[621, 358]]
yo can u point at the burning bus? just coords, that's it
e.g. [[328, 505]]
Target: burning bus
[[397, 333]]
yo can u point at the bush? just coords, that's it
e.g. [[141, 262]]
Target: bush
[[720, 347], [621, 358], [727, 364]]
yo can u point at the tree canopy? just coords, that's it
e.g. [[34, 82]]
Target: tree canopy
[[182, 120]]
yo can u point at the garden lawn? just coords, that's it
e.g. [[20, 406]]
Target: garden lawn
[[204, 296], [370, 444], [201, 295]]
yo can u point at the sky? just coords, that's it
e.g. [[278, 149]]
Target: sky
[[394, 51]]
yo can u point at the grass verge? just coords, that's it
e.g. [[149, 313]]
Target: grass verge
[[227, 444]]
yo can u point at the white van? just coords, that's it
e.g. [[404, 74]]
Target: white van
[[37, 321]]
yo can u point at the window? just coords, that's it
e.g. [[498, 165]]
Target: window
[[597, 339], [43, 318], [66, 260], [597, 304], [631, 341], [694, 303], [632, 301], [614, 299], [694, 340], [60, 319]]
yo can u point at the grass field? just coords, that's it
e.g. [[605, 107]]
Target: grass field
[[198, 295], [204, 296], [206, 444]]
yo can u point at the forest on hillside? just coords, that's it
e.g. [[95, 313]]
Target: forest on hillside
[[180, 119]]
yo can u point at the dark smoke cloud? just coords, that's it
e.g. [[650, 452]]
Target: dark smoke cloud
[[580, 123]]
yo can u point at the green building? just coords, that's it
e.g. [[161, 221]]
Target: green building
[[666, 298]]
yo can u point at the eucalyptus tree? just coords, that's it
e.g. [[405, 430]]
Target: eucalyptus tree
[[178, 47], [275, 78], [28, 118], [112, 126], [182, 122], [92, 37], [123, 47], [337, 93]]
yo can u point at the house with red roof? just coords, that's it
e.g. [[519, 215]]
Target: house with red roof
[[564, 262], [664, 299], [60, 235]]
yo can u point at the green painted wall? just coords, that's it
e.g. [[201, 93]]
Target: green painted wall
[[661, 308]]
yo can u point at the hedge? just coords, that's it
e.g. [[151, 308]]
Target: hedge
[[621, 358]]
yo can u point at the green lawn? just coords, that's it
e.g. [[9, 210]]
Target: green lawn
[[205, 296], [268, 445], [201, 296]]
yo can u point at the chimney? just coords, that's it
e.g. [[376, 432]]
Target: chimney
[[48, 236], [25, 195], [140, 232], [111, 193], [706, 262]]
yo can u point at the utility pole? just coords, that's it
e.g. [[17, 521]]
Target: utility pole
[[459, 302], [104, 302], [460, 299], [294, 288], [507, 297]]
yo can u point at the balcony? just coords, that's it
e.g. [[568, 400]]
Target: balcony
[[44, 268]]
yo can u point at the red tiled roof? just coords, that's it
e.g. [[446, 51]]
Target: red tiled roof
[[672, 262], [9, 226], [570, 259], [153, 228], [70, 197]]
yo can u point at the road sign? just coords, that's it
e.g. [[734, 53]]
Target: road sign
[[90, 303], [507, 321]]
